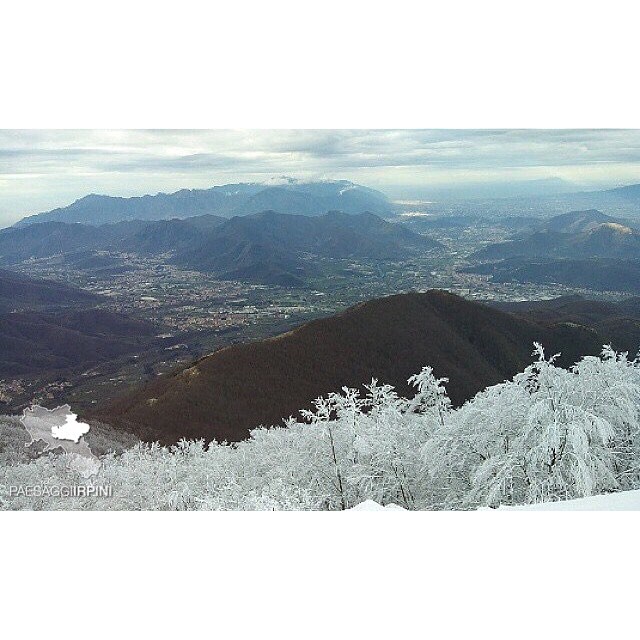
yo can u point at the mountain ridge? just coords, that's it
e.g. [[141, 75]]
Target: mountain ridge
[[224, 395], [254, 243], [265, 247], [288, 196]]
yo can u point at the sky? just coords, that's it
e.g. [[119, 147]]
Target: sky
[[44, 169]]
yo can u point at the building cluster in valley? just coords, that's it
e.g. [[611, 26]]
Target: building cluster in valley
[[197, 313]]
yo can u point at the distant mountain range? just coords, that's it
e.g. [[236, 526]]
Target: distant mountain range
[[287, 195], [577, 235], [620, 197], [625, 200], [268, 247], [237, 388]]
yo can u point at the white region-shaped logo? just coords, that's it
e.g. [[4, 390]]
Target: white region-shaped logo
[[59, 429], [71, 429]]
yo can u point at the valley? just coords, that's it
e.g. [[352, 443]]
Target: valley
[[204, 282]]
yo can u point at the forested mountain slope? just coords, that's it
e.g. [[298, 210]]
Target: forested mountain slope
[[226, 394], [40, 343], [20, 292]]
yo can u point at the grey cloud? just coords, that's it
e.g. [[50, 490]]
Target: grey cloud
[[73, 162]]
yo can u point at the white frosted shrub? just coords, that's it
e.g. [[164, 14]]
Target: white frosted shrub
[[548, 434]]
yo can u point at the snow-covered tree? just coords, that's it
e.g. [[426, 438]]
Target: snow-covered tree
[[548, 434]]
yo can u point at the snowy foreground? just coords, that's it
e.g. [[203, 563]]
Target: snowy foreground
[[370, 505], [549, 434], [622, 501]]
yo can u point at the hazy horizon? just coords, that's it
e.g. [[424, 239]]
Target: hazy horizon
[[44, 169]]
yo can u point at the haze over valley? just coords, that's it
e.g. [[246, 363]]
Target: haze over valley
[[148, 284]]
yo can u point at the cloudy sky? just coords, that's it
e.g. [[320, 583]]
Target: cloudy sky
[[41, 169]]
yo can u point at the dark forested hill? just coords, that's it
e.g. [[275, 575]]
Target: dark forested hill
[[43, 240], [33, 343], [60, 238], [47, 327], [224, 395], [617, 322], [20, 292], [599, 274]]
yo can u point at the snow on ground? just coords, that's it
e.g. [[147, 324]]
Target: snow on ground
[[622, 501], [370, 505]]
